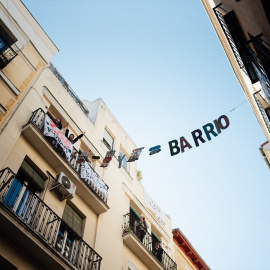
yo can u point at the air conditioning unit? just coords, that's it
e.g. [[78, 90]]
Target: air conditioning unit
[[64, 186]]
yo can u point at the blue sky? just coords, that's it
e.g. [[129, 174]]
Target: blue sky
[[161, 70]]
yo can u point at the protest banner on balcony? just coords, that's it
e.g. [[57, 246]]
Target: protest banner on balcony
[[152, 205], [50, 130], [91, 176]]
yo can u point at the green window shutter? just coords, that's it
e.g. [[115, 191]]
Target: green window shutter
[[135, 212], [156, 236], [32, 176], [73, 220]]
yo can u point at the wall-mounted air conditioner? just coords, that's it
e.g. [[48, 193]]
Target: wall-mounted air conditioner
[[64, 186]]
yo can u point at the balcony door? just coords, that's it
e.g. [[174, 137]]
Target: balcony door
[[23, 188]]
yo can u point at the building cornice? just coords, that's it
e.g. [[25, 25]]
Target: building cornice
[[183, 243]]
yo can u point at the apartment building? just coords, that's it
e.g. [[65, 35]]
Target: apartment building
[[68, 202], [243, 29], [25, 49], [186, 257]]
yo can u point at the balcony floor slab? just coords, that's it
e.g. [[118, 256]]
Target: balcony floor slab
[[134, 244], [21, 239]]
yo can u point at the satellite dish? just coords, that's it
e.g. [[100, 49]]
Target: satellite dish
[[66, 182]]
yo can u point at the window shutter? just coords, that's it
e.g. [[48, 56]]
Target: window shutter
[[28, 173], [108, 139], [73, 220]]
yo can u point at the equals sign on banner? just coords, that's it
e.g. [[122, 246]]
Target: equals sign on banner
[[154, 150]]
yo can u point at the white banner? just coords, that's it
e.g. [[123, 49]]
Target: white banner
[[90, 175], [151, 204], [51, 130]]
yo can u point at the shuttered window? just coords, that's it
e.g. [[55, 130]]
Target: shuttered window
[[28, 173], [108, 139], [6, 51], [73, 220]]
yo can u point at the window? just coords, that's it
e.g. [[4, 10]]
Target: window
[[67, 240], [6, 52], [73, 220], [26, 182], [155, 239], [133, 217], [124, 161], [131, 266], [108, 139]]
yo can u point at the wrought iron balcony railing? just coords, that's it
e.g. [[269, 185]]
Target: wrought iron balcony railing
[[262, 110], [147, 240], [45, 223], [68, 88], [220, 12], [37, 119], [259, 65], [256, 67], [261, 45]]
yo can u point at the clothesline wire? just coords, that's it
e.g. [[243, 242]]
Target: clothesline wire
[[146, 149]]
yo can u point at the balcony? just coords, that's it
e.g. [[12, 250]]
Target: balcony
[[144, 249], [30, 224], [220, 12], [258, 98], [88, 191]]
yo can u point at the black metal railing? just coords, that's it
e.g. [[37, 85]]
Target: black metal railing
[[259, 65], [7, 56], [45, 223], [68, 88], [130, 224], [37, 119], [262, 110], [261, 45], [220, 12]]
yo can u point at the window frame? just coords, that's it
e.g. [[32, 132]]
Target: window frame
[[7, 39], [124, 161], [70, 224], [105, 141]]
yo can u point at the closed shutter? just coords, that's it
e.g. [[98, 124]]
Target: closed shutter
[[73, 220], [107, 138], [28, 173]]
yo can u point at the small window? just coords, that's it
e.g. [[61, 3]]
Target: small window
[[73, 219], [124, 161], [108, 139], [30, 172], [6, 52], [28, 181]]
